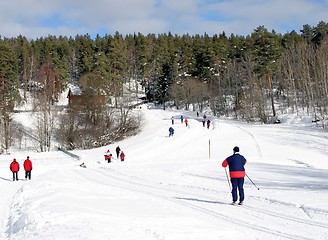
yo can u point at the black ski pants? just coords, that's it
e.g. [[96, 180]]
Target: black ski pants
[[15, 176], [28, 174]]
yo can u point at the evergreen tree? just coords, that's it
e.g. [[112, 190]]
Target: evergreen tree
[[23, 53], [266, 53], [204, 58], [168, 67], [8, 90], [85, 54]]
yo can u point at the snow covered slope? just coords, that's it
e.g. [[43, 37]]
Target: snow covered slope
[[174, 188]]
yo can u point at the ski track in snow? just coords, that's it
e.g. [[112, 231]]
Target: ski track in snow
[[258, 149], [159, 191]]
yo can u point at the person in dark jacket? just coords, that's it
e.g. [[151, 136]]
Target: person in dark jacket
[[236, 164], [14, 167], [208, 124], [28, 168], [118, 150]]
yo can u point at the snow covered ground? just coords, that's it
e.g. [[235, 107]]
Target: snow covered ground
[[175, 188]]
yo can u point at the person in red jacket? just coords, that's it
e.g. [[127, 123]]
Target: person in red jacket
[[14, 167], [186, 122], [236, 164], [208, 123], [108, 156], [28, 168], [122, 156]]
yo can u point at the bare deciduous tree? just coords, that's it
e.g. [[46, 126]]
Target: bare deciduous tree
[[190, 92], [46, 95]]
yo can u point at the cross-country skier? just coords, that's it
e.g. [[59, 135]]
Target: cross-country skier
[[236, 164], [208, 123], [186, 122], [171, 131]]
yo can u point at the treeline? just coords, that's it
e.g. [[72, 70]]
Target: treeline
[[233, 75]]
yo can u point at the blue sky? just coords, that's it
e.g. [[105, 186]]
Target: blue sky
[[35, 18]]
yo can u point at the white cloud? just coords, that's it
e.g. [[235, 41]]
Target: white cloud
[[32, 18]]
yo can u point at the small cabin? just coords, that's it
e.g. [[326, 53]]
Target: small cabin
[[76, 98]]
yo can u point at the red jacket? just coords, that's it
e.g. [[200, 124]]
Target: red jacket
[[14, 166], [122, 155], [108, 156], [27, 165]]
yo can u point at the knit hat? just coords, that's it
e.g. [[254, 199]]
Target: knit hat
[[236, 149]]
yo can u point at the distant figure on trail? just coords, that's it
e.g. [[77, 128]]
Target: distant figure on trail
[[204, 117], [236, 164], [171, 131], [208, 124], [108, 156], [28, 168], [14, 167], [172, 118], [197, 114], [181, 118], [186, 122], [203, 122], [122, 156], [117, 151]]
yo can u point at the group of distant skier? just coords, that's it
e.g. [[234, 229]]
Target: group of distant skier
[[14, 168], [119, 155], [185, 120]]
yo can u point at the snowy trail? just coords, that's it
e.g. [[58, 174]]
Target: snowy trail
[[171, 187], [199, 199]]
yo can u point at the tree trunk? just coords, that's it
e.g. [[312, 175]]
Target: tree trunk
[[271, 95]]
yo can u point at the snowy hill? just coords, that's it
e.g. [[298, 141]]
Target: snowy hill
[[174, 188]]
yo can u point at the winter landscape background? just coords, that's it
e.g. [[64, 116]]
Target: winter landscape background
[[174, 188]]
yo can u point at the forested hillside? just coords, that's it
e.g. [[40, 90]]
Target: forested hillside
[[255, 77]]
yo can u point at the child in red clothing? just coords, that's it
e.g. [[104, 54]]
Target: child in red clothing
[[122, 156]]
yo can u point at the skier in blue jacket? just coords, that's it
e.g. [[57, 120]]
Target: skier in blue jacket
[[236, 164]]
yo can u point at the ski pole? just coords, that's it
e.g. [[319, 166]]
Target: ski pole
[[252, 182], [227, 178]]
